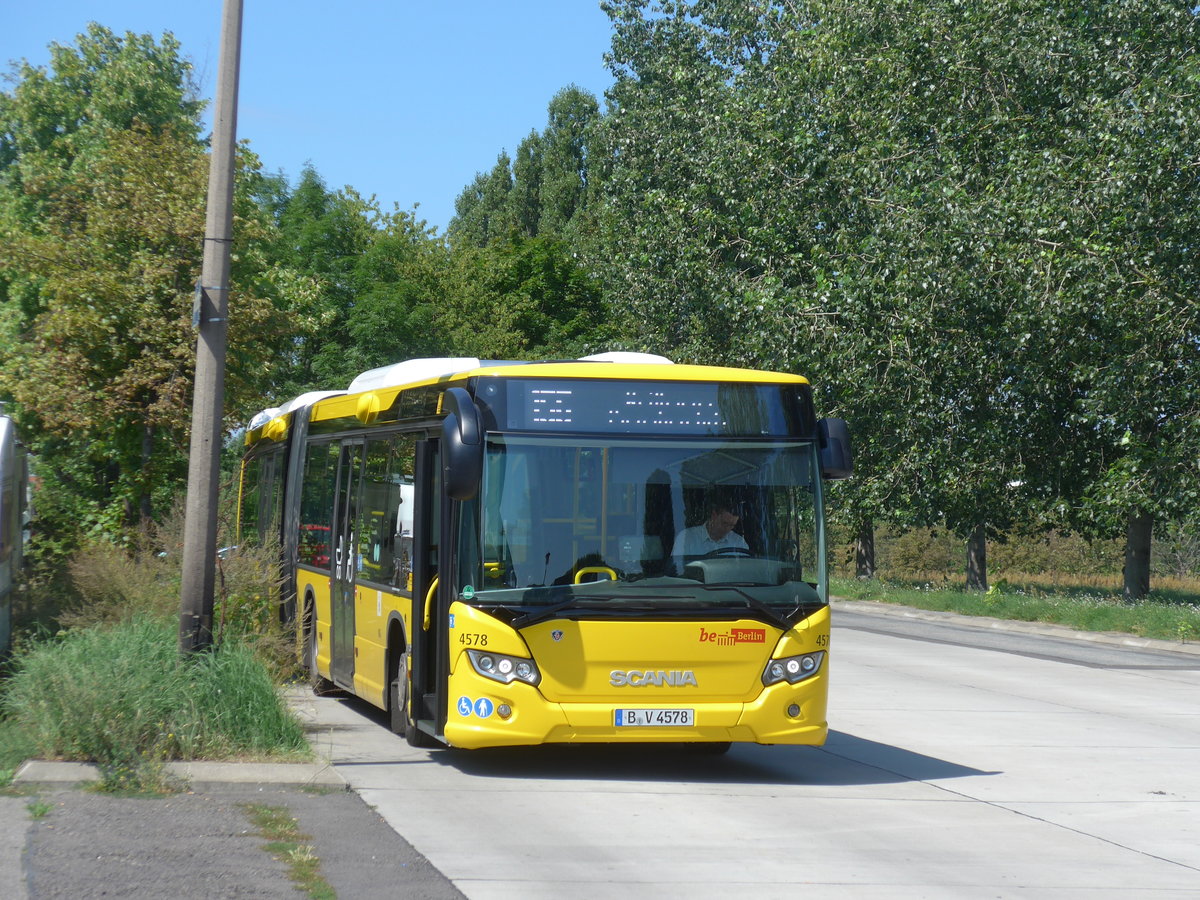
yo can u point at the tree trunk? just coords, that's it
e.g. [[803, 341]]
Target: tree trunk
[[145, 503], [864, 550], [977, 560], [1137, 555]]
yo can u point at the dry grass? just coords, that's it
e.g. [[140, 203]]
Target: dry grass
[[1186, 590]]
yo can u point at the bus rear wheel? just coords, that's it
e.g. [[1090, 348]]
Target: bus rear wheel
[[319, 683]]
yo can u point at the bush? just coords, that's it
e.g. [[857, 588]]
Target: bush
[[122, 696], [117, 584], [939, 555]]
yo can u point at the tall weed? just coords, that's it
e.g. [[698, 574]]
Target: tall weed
[[122, 696], [142, 580]]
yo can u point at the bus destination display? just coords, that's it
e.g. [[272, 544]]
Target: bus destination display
[[633, 407]]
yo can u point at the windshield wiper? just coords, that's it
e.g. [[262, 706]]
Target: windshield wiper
[[542, 614], [546, 612], [753, 602], [550, 610]]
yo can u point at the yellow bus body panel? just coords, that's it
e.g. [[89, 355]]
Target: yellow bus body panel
[[372, 612], [371, 609], [636, 372], [316, 585], [576, 700]]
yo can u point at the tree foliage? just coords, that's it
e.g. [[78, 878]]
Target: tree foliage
[[544, 190], [525, 298], [972, 226], [942, 213], [54, 120], [362, 287], [103, 224]]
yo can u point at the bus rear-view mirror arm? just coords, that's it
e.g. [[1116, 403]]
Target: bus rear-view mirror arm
[[836, 460]]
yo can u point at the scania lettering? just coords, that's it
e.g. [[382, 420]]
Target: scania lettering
[[635, 678], [545, 542]]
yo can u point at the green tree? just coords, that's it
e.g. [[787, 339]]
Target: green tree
[[941, 220], [103, 232], [566, 161], [361, 282], [54, 120], [321, 235], [400, 285], [526, 196], [483, 211], [544, 189], [525, 298]]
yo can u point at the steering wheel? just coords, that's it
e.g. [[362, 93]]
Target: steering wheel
[[728, 553]]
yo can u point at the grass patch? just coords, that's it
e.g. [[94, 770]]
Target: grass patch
[[38, 809], [122, 696], [286, 843], [1166, 616], [16, 746]]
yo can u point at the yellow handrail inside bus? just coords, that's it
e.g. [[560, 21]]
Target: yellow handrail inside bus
[[425, 619], [595, 570]]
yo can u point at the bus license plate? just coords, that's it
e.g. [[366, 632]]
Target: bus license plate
[[625, 718]]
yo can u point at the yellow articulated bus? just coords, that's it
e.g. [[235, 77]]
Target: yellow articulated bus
[[614, 549]]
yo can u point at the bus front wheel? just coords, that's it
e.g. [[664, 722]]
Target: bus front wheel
[[398, 695], [398, 707]]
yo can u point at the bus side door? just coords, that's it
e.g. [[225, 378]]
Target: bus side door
[[344, 565]]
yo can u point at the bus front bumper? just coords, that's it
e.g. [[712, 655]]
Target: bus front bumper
[[486, 715]]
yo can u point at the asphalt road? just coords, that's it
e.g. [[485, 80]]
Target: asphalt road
[[963, 762], [202, 845]]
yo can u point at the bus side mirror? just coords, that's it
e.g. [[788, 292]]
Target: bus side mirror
[[836, 461], [462, 445]]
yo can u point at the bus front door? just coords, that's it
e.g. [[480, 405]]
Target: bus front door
[[429, 654], [344, 566]]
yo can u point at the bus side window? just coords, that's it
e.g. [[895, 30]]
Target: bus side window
[[401, 472], [316, 504], [248, 507], [261, 499], [379, 515]]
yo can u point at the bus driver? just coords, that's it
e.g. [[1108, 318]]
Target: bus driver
[[714, 533]]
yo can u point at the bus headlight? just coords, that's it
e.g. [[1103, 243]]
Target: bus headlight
[[793, 669], [505, 669]]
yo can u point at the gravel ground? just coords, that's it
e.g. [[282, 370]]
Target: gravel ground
[[204, 845]]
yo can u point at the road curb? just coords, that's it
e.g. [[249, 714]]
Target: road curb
[[196, 773], [1107, 638]]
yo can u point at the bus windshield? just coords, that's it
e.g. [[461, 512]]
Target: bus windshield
[[632, 526]]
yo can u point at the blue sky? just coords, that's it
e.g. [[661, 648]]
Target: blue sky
[[403, 99]]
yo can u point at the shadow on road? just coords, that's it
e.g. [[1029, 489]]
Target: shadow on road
[[845, 760]]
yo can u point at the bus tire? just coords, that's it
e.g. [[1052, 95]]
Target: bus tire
[[319, 684], [398, 695], [398, 707], [418, 738]]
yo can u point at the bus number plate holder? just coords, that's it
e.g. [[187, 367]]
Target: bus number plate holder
[[626, 718]]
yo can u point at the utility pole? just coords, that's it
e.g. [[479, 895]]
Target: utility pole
[[210, 318]]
